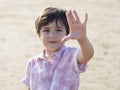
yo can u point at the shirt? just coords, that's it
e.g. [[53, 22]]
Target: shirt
[[60, 74]]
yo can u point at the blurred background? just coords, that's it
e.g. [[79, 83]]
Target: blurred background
[[19, 41]]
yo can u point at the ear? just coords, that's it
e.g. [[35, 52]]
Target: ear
[[39, 35]]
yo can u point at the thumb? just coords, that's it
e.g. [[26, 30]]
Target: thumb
[[66, 38]]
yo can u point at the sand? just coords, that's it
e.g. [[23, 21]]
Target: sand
[[19, 42]]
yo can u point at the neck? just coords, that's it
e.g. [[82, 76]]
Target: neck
[[49, 53]]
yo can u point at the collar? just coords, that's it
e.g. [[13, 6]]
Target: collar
[[60, 51], [56, 55]]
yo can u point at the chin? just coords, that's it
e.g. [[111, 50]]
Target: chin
[[54, 49]]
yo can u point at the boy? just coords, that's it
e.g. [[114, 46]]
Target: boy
[[58, 67]]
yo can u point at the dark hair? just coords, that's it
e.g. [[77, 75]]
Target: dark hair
[[49, 15]]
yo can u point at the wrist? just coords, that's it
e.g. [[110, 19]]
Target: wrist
[[82, 40]]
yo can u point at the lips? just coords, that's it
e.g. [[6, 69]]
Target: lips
[[52, 41]]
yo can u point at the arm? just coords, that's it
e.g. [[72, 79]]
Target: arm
[[86, 52], [78, 32]]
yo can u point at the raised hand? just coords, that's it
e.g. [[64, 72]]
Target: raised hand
[[77, 28]]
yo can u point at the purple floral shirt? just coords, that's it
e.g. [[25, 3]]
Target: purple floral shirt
[[60, 74]]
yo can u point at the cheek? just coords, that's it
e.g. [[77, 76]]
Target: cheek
[[43, 35], [63, 35], [44, 39]]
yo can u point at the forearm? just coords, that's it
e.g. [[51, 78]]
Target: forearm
[[86, 51]]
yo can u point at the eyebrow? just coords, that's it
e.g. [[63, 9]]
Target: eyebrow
[[47, 27]]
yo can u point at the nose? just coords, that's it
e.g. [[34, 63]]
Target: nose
[[52, 35]]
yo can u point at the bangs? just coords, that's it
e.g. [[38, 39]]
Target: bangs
[[49, 19]]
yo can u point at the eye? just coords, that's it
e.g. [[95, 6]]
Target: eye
[[46, 30], [59, 30]]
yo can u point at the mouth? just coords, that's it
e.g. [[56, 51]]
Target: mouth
[[53, 42]]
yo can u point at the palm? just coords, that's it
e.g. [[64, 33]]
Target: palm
[[77, 29]]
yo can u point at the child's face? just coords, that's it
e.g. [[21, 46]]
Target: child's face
[[51, 36]]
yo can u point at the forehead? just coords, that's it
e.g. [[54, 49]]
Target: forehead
[[55, 23]]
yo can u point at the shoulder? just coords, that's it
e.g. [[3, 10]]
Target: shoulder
[[33, 60], [70, 53], [71, 50]]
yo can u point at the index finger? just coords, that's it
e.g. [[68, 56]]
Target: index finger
[[70, 18]]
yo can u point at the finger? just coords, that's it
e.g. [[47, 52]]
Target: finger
[[86, 18], [66, 38], [77, 19], [70, 17]]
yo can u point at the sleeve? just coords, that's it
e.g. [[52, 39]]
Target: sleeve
[[78, 68], [26, 79]]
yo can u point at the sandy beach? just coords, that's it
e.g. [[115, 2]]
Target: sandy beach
[[19, 42]]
